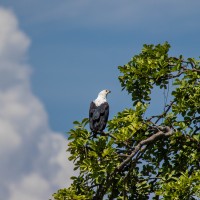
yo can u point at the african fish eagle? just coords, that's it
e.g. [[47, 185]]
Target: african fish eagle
[[99, 111]]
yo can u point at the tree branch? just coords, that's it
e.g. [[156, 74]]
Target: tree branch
[[164, 132]]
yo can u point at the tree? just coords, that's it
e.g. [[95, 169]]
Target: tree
[[154, 157]]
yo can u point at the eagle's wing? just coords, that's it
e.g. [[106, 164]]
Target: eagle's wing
[[91, 113], [104, 115], [105, 110]]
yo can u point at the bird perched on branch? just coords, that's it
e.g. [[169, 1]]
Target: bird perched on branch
[[98, 113]]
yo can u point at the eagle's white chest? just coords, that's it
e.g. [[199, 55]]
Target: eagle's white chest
[[99, 101]]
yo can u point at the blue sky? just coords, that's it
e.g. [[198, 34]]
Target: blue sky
[[62, 54], [76, 46]]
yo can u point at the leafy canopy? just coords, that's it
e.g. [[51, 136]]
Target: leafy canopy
[[143, 158]]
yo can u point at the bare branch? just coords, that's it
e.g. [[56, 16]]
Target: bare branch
[[164, 132]]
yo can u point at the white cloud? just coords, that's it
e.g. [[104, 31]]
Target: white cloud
[[13, 43], [27, 188], [33, 158]]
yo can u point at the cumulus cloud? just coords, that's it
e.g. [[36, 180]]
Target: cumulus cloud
[[33, 159]]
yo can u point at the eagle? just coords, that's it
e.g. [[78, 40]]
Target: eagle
[[98, 112]]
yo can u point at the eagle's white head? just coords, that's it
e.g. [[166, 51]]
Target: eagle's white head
[[101, 97]]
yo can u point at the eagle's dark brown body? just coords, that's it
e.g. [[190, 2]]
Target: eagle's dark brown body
[[98, 116]]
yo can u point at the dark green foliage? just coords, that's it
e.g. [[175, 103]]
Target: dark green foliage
[[143, 158]]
